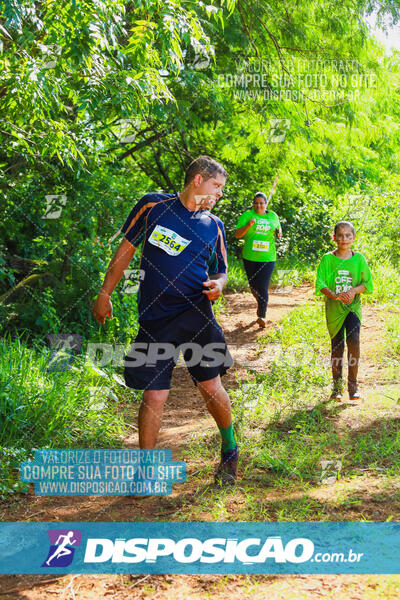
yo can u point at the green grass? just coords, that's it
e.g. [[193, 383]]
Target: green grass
[[286, 428], [386, 281], [40, 408]]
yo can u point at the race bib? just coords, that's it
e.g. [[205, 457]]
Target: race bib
[[169, 241], [343, 281], [260, 246]]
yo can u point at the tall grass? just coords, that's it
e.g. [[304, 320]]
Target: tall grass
[[386, 281], [44, 408]]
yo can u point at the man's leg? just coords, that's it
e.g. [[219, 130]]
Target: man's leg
[[217, 401], [219, 406], [150, 416]]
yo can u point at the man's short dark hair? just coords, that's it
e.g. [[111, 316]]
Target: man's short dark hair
[[344, 224], [206, 166]]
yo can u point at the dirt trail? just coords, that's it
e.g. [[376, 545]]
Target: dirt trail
[[184, 415]]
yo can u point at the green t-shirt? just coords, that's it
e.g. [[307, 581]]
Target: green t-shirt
[[340, 275], [259, 240]]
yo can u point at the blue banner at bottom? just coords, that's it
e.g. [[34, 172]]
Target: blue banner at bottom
[[221, 548]]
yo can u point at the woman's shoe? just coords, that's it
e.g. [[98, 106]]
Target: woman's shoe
[[261, 323]]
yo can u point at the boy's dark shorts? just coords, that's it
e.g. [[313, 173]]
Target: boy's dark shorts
[[150, 360]]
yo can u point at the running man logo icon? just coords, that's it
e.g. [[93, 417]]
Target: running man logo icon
[[62, 546]]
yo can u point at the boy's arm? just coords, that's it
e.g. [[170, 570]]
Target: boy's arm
[[359, 289], [119, 262], [348, 297], [327, 292], [322, 279]]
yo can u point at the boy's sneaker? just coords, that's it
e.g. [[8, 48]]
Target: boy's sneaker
[[227, 468], [337, 390], [354, 393]]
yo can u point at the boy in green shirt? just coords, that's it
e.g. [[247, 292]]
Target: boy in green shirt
[[342, 276]]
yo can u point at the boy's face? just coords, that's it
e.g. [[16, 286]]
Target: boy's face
[[344, 238], [208, 191]]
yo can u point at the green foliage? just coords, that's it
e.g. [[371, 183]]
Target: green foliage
[[107, 101]]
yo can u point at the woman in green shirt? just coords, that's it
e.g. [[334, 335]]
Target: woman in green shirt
[[342, 276], [258, 227]]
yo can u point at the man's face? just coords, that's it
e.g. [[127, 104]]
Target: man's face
[[208, 191]]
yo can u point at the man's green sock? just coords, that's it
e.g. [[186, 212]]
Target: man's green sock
[[228, 440]]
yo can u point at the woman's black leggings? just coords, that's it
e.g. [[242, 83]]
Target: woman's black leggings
[[259, 275], [352, 326]]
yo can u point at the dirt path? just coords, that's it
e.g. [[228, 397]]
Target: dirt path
[[185, 415]]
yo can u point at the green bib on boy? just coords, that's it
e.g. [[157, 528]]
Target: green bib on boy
[[259, 240], [340, 275]]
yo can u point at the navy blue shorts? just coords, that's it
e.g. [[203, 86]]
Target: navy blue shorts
[[153, 355]]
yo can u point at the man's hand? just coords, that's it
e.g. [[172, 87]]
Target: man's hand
[[102, 308], [215, 289], [346, 297], [120, 261], [252, 221]]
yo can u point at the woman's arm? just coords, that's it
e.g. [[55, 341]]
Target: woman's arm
[[241, 231]]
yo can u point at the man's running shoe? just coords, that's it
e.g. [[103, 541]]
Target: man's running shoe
[[227, 468]]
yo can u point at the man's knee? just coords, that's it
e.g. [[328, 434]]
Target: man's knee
[[154, 398], [210, 388]]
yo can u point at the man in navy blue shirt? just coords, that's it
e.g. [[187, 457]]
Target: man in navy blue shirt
[[180, 236]]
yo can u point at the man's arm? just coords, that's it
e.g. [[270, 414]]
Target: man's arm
[[119, 262]]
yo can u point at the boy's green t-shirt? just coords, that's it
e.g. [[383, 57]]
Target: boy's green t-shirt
[[340, 275], [259, 240]]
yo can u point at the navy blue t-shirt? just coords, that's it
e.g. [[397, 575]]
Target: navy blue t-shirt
[[177, 245]]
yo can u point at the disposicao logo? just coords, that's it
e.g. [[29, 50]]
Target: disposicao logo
[[189, 550], [62, 547]]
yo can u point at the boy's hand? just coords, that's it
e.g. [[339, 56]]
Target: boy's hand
[[102, 308], [346, 297], [215, 289], [252, 221]]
